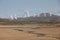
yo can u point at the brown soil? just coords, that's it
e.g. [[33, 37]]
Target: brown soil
[[24, 32]]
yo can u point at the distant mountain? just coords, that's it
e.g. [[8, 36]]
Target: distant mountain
[[42, 18], [48, 18]]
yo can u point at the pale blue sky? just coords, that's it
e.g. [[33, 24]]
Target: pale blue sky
[[9, 7]]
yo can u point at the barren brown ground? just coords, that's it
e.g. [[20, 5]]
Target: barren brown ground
[[30, 32]]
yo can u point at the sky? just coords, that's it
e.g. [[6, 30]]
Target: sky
[[11, 7]]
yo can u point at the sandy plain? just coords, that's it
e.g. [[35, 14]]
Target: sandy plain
[[30, 32]]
